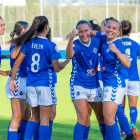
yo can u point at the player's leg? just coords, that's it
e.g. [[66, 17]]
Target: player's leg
[[32, 124], [85, 137], [51, 119], [15, 121]]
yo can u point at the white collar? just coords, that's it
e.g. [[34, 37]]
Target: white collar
[[125, 36], [108, 42], [84, 43], [42, 37]]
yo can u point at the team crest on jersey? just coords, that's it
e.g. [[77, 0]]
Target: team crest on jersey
[[56, 49], [95, 50], [103, 33]]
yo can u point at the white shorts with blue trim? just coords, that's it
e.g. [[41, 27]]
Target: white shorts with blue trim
[[92, 95], [21, 88], [113, 94], [133, 88], [41, 95]]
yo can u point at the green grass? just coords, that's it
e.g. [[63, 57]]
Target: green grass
[[66, 117]]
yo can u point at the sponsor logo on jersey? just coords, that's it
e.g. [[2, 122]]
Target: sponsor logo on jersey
[[91, 72], [102, 68]]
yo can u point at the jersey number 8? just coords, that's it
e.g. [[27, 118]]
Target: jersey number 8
[[35, 62]]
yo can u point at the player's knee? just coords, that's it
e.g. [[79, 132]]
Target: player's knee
[[108, 120], [17, 117], [83, 118]]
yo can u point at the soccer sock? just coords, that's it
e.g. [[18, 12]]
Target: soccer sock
[[78, 131], [85, 137], [12, 134], [36, 135], [133, 114], [116, 119], [23, 125], [18, 138], [123, 120], [107, 136], [30, 130], [8, 130], [43, 132], [113, 130], [103, 129], [121, 127], [50, 129]]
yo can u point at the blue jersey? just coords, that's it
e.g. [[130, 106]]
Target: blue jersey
[[132, 51], [41, 53], [110, 64], [23, 68], [85, 62], [55, 77], [99, 67]]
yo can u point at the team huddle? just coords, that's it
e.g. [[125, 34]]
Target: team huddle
[[104, 70]]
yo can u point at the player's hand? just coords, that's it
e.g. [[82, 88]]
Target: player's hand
[[68, 36], [74, 33], [13, 86], [8, 72], [113, 48]]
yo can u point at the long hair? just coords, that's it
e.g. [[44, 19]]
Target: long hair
[[94, 26], [37, 27]]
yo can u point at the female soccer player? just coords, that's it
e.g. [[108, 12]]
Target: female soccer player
[[84, 84], [2, 31], [112, 55], [20, 109], [43, 56], [132, 51]]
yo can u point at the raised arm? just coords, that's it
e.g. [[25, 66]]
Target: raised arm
[[93, 33], [58, 66], [69, 49], [122, 57]]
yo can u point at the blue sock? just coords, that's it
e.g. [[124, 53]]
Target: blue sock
[[23, 125], [43, 132], [78, 131], [12, 135], [103, 129], [50, 129], [36, 135], [8, 130], [133, 114], [123, 121], [107, 136], [123, 108], [30, 130], [85, 137], [113, 130], [116, 119]]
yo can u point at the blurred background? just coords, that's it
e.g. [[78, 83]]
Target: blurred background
[[64, 14]]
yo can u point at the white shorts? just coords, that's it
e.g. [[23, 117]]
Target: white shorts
[[126, 83], [113, 94], [41, 95], [21, 88], [92, 95], [133, 88]]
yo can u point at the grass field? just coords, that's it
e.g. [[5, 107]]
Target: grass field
[[66, 117]]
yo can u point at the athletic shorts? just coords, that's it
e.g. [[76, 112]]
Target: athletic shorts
[[113, 94], [92, 95], [41, 95], [126, 83], [133, 88], [21, 88]]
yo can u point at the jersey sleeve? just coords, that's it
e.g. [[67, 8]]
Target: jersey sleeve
[[102, 36], [75, 48], [138, 50], [54, 53], [24, 49]]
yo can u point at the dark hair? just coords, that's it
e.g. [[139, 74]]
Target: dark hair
[[82, 22], [106, 20], [48, 36], [37, 27], [18, 28], [93, 26], [126, 27], [1, 18]]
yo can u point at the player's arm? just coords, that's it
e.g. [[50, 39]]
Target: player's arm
[[5, 56], [93, 33], [15, 52], [122, 57], [15, 69], [69, 49], [5, 73], [58, 66]]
